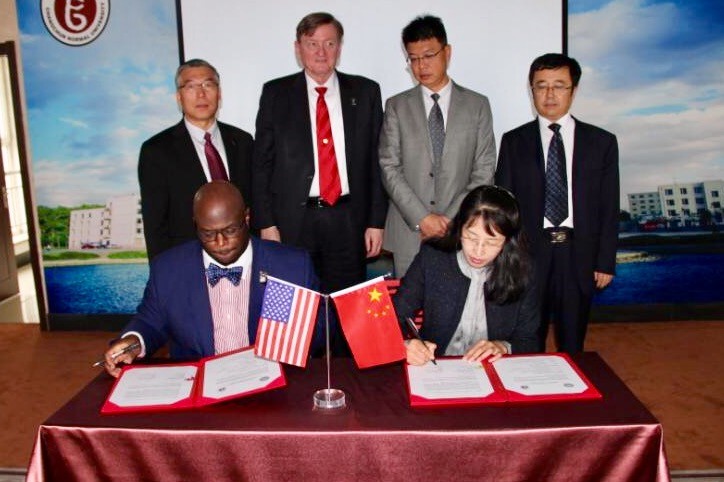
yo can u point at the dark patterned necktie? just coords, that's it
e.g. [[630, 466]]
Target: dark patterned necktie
[[436, 125], [216, 165], [214, 274], [330, 187], [556, 189]]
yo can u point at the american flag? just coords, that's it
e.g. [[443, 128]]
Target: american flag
[[286, 324]]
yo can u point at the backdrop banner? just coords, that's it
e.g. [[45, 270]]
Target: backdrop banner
[[99, 80]]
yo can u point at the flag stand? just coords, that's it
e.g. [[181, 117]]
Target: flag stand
[[328, 398]]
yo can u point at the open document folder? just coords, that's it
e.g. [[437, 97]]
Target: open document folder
[[516, 378], [141, 388]]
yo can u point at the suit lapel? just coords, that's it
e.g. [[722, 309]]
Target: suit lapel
[[256, 295], [199, 301], [349, 98], [300, 125], [229, 147], [186, 156], [455, 117], [419, 120]]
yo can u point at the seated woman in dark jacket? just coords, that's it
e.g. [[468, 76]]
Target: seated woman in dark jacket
[[473, 285]]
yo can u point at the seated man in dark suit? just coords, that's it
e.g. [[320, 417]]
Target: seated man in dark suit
[[204, 297]]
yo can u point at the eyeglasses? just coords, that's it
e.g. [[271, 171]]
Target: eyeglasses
[[209, 235], [424, 58], [542, 89], [206, 86], [314, 45], [484, 243]]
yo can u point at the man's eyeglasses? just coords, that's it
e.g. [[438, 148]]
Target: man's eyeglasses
[[314, 45], [209, 235], [206, 86], [424, 58], [542, 89]]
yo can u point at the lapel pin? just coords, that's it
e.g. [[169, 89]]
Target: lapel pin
[[353, 101], [262, 276]]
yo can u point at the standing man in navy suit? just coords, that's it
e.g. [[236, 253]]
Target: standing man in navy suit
[[204, 297], [288, 196], [173, 164], [573, 235]]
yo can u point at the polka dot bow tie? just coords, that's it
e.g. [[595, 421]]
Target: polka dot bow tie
[[214, 274]]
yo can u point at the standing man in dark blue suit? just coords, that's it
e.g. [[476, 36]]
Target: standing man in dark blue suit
[[571, 218], [173, 164], [204, 297], [288, 197]]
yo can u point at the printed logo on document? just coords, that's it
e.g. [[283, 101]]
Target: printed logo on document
[[75, 22]]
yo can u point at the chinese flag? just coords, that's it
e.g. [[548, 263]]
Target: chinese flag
[[369, 323]]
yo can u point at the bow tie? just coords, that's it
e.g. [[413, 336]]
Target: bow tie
[[214, 274]]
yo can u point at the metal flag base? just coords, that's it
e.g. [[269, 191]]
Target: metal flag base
[[329, 398]]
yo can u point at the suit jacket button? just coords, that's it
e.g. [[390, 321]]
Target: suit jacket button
[[432, 175], [432, 202]]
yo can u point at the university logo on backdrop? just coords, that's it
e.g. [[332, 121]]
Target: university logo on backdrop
[[75, 22]]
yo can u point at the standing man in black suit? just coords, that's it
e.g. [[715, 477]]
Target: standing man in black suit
[[570, 214], [176, 162], [290, 197]]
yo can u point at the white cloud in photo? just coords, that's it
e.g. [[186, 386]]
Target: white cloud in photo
[[661, 94]]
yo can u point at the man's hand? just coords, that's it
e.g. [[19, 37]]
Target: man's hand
[[112, 362], [602, 279], [433, 226], [271, 233], [373, 241]]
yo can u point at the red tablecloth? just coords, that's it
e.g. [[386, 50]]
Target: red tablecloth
[[278, 436]]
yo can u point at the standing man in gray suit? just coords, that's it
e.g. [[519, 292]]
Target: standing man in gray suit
[[436, 145]]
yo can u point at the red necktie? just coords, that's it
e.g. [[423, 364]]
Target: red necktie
[[329, 185], [216, 166]]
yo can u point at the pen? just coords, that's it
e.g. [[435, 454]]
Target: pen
[[130, 347], [416, 334]]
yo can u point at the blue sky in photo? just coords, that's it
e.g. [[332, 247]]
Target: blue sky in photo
[[653, 74], [91, 107]]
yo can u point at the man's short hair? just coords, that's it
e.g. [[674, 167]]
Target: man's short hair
[[423, 28], [311, 22], [195, 63], [553, 62]]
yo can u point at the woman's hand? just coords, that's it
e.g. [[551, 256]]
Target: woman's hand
[[419, 352], [492, 350]]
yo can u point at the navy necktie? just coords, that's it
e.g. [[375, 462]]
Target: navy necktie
[[214, 274], [556, 189]]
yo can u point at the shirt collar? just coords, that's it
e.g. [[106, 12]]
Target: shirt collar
[[332, 85], [244, 260], [566, 122], [197, 134], [444, 92]]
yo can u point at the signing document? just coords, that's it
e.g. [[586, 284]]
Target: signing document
[[514, 378], [538, 375], [187, 385], [450, 378]]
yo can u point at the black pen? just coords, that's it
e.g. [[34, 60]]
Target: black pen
[[416, 334], [130, 347]]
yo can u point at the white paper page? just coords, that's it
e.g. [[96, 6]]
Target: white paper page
[[538, 375], [238, 373], [161, 385], [449, 379]]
